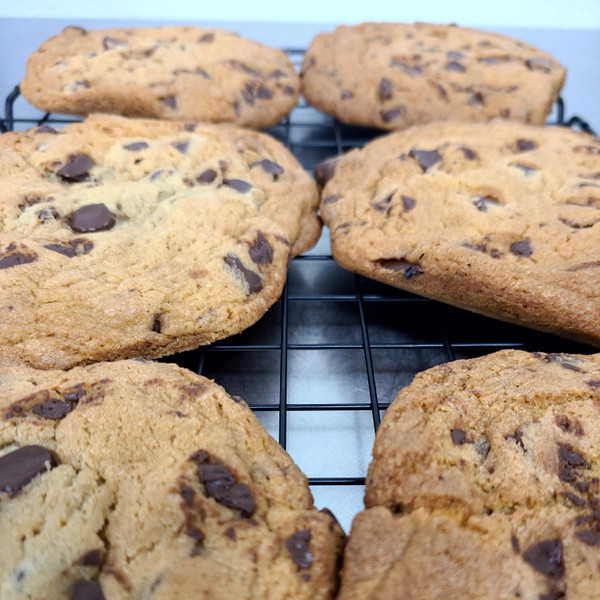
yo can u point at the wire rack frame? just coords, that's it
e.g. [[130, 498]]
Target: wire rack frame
[[312, 137]]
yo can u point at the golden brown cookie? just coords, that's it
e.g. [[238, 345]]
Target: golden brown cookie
[[498, 218], [141, 480], [182, 72], [122, 237], [393, 75], [485, 484]]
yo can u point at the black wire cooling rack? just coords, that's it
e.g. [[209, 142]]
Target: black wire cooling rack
[[325, 362]]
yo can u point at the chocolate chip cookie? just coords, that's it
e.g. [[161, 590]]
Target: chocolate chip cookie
[[141, 480], [485, 483], [499, 218], [123, 237], [393, 75], [167, 72]]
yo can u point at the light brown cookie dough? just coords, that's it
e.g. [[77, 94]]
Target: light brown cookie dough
[[123, 238], [393, 75], [140, 480], [485, 484], [498, 218], [168, 72]]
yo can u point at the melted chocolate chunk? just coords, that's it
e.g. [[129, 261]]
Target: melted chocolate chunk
[[521, 248], [12, 260], [46, 129], [135, 146], [569, 460], [546, 558], [54, 409], [425, 158], [220, 484], [298, 545], [253, 280], [469, 154], [239, 185], [574, 498], [87, 590], [400, 265], [93, 558], [270, 167], [563, 361], [455, 66], [77, 246], [525, 145], [19, 467], [459, 437], [198, 538], [261, 252], [386, 90], [325, 171], [110, 43], [207, 177], [393, 113], [77, 169], [589, 537], [169, 101], [90, 218]]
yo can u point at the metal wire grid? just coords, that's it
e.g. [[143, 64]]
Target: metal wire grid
[[396, 333]]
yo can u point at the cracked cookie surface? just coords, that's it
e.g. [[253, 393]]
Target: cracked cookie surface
[[187, 73], [485, 483], [142, 480], [123, 238], [393, 75], [498, 218]]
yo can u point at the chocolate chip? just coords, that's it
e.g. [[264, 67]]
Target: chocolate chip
[[206, 38], [187, 493], [469, 154], [525, 168], [574, 498], [207, 177], [455, 55], [298, 545], [198, 538], [181, 146], [525, 145], [239, 185], [569, 426], [539, 64], [569, 460], [325, 171], [288, 90], [408, 203], [93, 558], [386, 90], [346, 95], [459, 437], [169, 101], [517, 436], [156, 324], [521, 248], [19, 467], [74, 247], [53, 409], [400, 265], [220, 484], [426, 158], [248, 93], [261, 252], [393, 113], [476, 99], [483, 202], [410, 70], [546, 558], [440, 90], [47, 214], [110, 43], [230, 533], [87, 590], [331, 199], [589, 537], [90, 218], [277, 74], [12, 260], [455, 66], [135, 146], [264, 93], [514, 541], [270, 167], [77, 169], [46, 129], [253, 280], [594, 383]]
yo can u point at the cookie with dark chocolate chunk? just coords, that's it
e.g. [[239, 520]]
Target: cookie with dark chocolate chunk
[[485, 483], [393, 75], [123, 237], [180, 72], [499, 218], [153, 483]]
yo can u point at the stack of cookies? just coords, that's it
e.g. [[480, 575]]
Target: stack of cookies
[[165, 223]]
